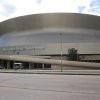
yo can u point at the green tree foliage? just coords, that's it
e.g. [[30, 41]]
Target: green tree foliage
[[72, 54]]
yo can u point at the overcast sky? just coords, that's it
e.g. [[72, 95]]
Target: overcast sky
[[13, 8]]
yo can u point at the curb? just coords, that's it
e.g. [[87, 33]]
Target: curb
[[52, 73]]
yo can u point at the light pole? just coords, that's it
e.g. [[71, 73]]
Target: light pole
[[61, 49], [14, 53], [77, 49]]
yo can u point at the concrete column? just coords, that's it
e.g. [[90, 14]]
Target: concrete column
[[43, 66], [1, 63], [14, 64], [8, 64], [30, 66], [33, 66]]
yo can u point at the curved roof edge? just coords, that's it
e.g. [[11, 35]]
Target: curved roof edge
[[50, 20]]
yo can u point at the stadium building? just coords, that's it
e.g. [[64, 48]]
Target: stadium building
[[49, 36]]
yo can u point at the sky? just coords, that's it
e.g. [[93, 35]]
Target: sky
[[14, 8]]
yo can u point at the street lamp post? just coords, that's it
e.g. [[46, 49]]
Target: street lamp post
[[61, 49], [77, 49]]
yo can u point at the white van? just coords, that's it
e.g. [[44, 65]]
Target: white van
[[18, 65]]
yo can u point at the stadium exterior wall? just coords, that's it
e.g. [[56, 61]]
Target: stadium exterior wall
[[49, 34], [42, 32]]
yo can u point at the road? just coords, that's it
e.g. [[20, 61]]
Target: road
[[49, 87]]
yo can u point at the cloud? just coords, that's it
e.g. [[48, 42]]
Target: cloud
[[57, 6], [1, 1], [38, 2], [91, 7], [7, 9], [13, 8], [95, 6], [81, 8]]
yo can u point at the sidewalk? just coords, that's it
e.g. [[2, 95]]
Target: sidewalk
[[58, 72]]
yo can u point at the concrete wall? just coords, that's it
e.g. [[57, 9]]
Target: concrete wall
[[55, 67], [51, 49], [90, 57]]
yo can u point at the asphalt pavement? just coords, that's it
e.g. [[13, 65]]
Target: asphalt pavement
[[49, 87]]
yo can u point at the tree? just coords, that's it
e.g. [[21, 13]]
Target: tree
[[72, 54]]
